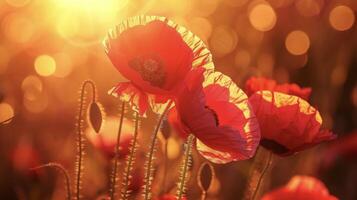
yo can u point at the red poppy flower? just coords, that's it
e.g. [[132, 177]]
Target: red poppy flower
[[301, 188], [155, 55], [220, 117], [24, 157], [288, 123], [255, 84], [106, 139]]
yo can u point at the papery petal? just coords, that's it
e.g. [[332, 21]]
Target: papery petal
[[232, 139], [295, 90], [128, 92], [175, 121], [301, 188], [158, 39], [142, 35], [179, 50], [288, 121], [255, 84]]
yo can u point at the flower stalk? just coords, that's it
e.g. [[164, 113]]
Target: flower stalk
[[181, 187], [63, 171], [148, 179], [114, 175], [130, 161], [257, 175], [80, 137]]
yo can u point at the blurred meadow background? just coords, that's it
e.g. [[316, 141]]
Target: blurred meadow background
[[49, 47]]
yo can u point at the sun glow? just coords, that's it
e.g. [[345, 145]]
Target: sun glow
[[85, 22]]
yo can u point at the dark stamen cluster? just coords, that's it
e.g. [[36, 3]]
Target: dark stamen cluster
[[150, 69]]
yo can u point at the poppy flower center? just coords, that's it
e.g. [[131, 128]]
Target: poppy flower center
[[150, 69], [214, 114]]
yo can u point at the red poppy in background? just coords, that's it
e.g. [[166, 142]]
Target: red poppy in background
[[155, 57], [24, 157], [301, 188], [220, 117], [345, 147], [288, 123], [106, 139], [255, 84]]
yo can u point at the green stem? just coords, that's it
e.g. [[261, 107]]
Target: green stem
[[185, 165], [150, 156], [64, 172], [116, 155], [261, 177], [80, 138], [163, 185], [129, 167]]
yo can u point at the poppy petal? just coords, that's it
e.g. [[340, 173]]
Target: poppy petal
[[127, 92], [288, 120], [177, 49], [201, 111], [301, 188], [255, 84]]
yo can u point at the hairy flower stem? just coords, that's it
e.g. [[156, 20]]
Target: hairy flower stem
[[130, 161], [63, 171], [163, 184], [80, 138], [150, 156], [257, 175], [181, 188], [116, 156]]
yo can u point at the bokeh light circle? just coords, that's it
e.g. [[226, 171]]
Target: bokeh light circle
[[341, 18], [223, 41], [6, 112], [262, 17], [64, 64], [201, 27], [309, 8], [297, 42], [45, 65], [32, 87], [18, 28]]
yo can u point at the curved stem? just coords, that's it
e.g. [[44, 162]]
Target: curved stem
[[130, 161], [150, 156], [80, 138], [6, 121], [185, 165], [116, 159], [64, 172], [261, 177]]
